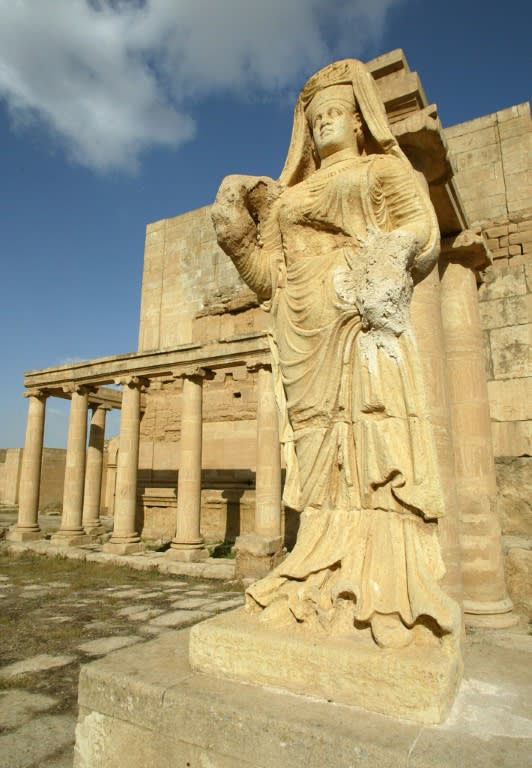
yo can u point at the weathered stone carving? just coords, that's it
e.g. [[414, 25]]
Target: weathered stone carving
[[333, 249]]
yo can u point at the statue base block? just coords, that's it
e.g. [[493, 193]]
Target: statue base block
[[414, 683]]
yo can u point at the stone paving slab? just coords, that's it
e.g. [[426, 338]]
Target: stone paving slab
[[18, 707], [105, 645], [36, 741], [39, 663], [179, 618]]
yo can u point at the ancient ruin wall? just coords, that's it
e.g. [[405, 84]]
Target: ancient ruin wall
[[493, 160], [186, 276]]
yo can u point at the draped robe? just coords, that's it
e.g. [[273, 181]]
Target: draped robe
[[360, 456]]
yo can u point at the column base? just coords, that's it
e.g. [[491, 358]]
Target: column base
[[94, 530], [257, 555], [123, 547], [24, 534], [70, 538], [497, 614], [184, 554]]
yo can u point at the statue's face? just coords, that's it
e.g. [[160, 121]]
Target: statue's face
[[334, 125]]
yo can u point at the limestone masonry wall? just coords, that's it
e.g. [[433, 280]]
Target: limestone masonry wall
[[186, 275], [52, 477]]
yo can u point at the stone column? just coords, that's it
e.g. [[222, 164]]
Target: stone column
[[71, 531], [258, 552], [125, 538], [187, 544], [426, 318], [93, 472], [486, 601], [27, 527]]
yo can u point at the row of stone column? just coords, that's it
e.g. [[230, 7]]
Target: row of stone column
[[80, 521], [83, 470]]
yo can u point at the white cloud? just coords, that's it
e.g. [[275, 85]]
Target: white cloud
[[113, 77]]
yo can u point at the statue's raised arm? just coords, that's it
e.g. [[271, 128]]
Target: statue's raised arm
[[240, 211]]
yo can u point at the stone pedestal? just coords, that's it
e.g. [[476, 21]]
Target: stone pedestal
[[256, 555], [125, 539], [187, 544], [416, 683], [93, 474], [71, 531], [27, 527]]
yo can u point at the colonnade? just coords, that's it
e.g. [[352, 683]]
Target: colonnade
[[80, 522]]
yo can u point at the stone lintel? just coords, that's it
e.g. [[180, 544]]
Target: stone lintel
[[100, 371], [415, 683]]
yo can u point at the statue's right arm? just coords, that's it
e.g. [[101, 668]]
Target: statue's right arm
[[242, 205]]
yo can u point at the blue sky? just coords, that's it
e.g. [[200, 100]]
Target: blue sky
[[116, 113]]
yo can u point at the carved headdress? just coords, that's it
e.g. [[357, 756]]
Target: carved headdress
[[346, 78]]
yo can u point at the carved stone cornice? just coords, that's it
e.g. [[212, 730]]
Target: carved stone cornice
[[468, 248], [420, 136]]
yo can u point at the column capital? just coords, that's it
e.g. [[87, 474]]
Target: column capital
[[133, 382], [193, 372], [258, 365], [40, 394], [468, 248], [100, 407], [78, 389]]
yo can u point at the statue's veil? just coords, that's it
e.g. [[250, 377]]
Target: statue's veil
[[301, 160]]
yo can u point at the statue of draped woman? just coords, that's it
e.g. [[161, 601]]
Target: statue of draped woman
[[333, 250]]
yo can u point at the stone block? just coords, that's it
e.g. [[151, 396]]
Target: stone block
[[518, 572], [496, 232], [515, 111], [528, 275], [503, 283], [480, 134], [511, 351], [511, 400], [512, 438], [521, 237], [405, 683], [514, 492], [513, 310], [471, 126]]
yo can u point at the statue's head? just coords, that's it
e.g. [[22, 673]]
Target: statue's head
[[346, 93], [334, 121]]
